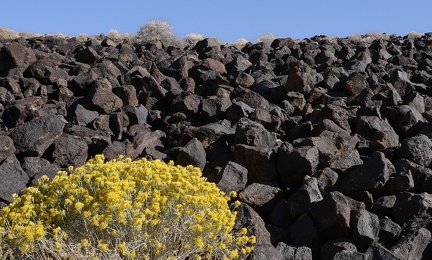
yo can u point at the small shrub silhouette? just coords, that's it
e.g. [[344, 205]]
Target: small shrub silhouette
[[123, 209], [158, 30]]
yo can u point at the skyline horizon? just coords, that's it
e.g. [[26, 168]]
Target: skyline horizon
[[297, 20]]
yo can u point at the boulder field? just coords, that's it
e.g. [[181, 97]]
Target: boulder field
[[327, 141]]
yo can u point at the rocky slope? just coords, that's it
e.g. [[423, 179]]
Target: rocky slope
[[326, 141]]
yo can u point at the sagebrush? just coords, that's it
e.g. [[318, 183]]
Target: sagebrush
[[123, 209]]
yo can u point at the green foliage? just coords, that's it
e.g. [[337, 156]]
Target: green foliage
[[123, 209]]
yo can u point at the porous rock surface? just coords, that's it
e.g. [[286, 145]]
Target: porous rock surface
[[326, 141]]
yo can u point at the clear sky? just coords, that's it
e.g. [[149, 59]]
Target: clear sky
[[226, 20]]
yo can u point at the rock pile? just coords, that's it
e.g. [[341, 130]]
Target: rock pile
[[326, 141]]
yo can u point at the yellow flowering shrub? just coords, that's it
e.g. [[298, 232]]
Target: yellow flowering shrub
[[124, 209]]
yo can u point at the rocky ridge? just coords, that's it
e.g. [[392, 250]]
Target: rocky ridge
[[326, 141]]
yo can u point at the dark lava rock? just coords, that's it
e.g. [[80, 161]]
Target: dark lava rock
[[7, 147], [417, 149], [260, 161], [413, 211], [192, 153], [15, 55], [252, 133], [233, 177], [371, 176], [416, 245], [378, 132], [35, 136], [301, 78], [294, 164], [13, 177], [332, 216]]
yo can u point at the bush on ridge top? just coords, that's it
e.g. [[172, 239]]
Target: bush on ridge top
[[123, 209]]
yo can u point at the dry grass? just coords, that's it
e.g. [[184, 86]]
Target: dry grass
[[8, 34]]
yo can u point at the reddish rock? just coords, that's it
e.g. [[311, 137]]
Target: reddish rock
[[15, 55]]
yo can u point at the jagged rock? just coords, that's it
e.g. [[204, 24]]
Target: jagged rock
[[214, 107], [67, 151], [378, 132], [416, 101], [280, 215], [409, 121], [7, 147], [269, 121], [260, 161], [371, 176], [46, 71], [307, 119], [137, 114], [364, 229], [388, 229], [103, 101], [87, 55], [80, 84], [113, 149], [346, 161], [35, 167], [144, 139], [296, 100], [185, 102], [332, 216], [349, 255], [294, 253], [102, 125], [23, 110], [85, 116], [378, 251], [294, 164], [233, 177], [416, 245], [238, 110], [400, 81], [303, 232], [254, 100], [301, 78], [119, 122], [212, 64], [384, 205], [207, 47], [398, 182], [128, 95], [417, 149], [413, 211], [219, 154], [245, 80], [260, 196], [35, 136], [335, 113], [249, 218], [15, 55], [14, 179], [264, 252], [329, 249], [420, 174], [355, 84], [209, 133], [192, 153], [327, 179], [144, 82], [252, 133], [300, 202]]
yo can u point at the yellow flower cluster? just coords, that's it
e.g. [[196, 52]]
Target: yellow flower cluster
[[133, 209]]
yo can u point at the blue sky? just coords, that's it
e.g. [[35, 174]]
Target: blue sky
[[226, 20]]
